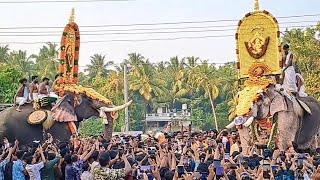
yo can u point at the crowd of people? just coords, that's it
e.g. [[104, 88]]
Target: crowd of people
[[163, 156]]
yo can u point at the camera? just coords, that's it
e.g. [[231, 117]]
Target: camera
[[262, 146], [152, 150]]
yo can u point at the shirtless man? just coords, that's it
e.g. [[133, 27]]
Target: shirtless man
[[19, 98], [54, 93], [33, 88], [43, 91]]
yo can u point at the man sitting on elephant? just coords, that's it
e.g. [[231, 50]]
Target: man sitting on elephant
[[289, 74], [43, 90], [20, 98], [33, 88], [54, 93]]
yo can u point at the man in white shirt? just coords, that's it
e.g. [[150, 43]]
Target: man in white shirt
[[34, 168]]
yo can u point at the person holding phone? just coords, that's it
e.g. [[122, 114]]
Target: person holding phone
[[33, 168]]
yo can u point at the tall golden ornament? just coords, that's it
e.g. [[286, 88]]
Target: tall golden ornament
[[258, 45], [69, 54], [256, 5]]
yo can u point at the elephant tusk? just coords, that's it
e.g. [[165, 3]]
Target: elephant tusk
[[116, 108], [231, 125], [248, 122]]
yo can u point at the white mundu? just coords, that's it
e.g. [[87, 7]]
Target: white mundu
[[302, 87], [21, 100], [34, 95], [289, 81]]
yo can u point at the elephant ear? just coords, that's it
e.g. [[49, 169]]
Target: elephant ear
[[63, 111], [278, 104]]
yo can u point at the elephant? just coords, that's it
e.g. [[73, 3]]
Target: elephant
[[14, 125], [297, 118]]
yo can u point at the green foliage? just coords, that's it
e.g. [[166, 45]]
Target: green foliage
[[222, 113], [91, 127], [9, 78], [305, 45]]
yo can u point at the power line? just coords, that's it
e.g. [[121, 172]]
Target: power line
[[155, 24], [133, 33], [151, 29], [65, 1], [128, 40], [133, 40]]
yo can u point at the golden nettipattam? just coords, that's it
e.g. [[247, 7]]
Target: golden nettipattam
[[258, 45]]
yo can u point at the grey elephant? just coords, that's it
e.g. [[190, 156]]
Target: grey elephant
[[296, 119], [74, 105]]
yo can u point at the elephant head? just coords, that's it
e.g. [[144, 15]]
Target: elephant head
[[77, 106], [264, 105]]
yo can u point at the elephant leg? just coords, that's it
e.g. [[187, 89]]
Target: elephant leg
[[287, 129], [245, 139]]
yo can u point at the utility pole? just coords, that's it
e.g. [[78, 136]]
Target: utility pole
[[126, 112]]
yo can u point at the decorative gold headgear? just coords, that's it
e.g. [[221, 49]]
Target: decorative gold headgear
[[71, 19], [256, 5]]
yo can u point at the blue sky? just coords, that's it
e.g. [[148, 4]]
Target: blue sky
[[217, 50]]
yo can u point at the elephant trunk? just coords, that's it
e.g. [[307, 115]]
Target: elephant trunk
[[116, 108]]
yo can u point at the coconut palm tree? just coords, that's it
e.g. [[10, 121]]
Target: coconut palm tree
[[206, 80], [146, 81], [98, 65], [135, 59], [4, 53], [47, 60], [21, 62], [177, 81]]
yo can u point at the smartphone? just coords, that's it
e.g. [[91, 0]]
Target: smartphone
[[300, 163], [201, 146], [197, 175], [145, 169], [302, 156], [219, 171], [185, 160], [139, 174], [120, 152], [226, 156], [266, 170], [204, 175], [241, 159], [188, 143], [213, 142], [274, 169], [180, 169], [216, 163]]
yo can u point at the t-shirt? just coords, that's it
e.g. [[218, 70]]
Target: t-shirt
[[86, 175], [17, 170], [94, 165], [234, 147], [2, 167], [69, 173], [285, 175], [102, 173], [47, 173], [34, 170]]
